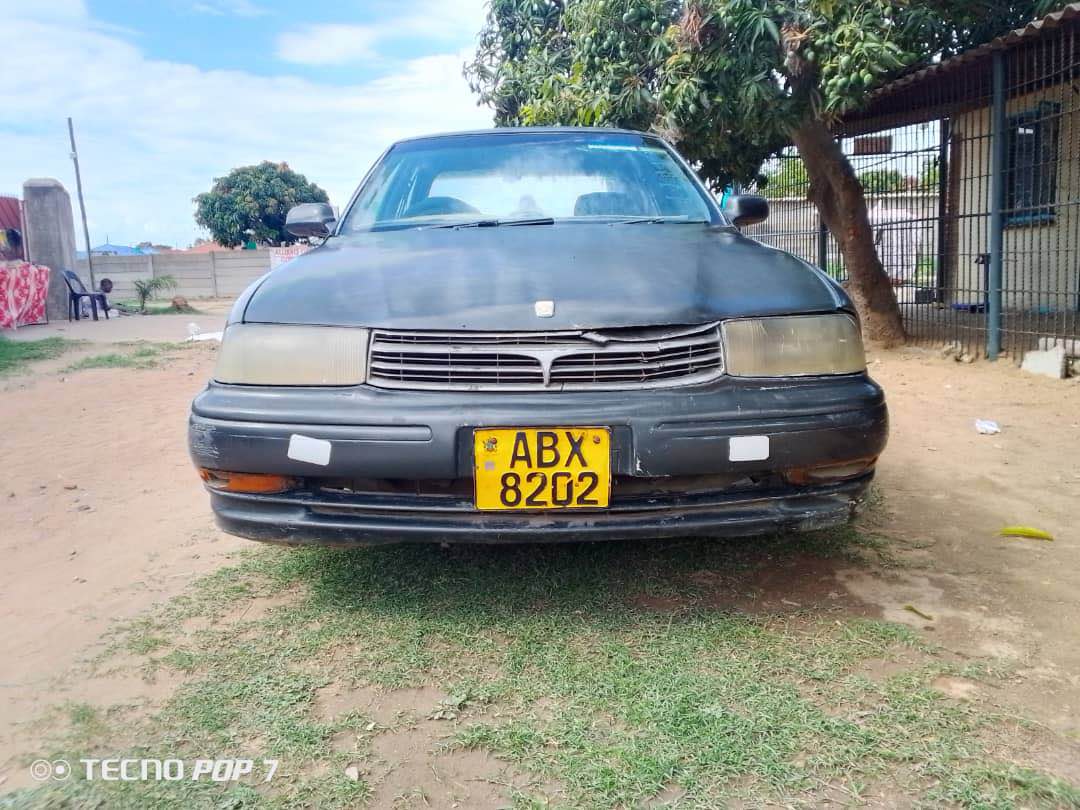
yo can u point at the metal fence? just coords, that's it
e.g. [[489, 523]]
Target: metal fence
[[971, 170]]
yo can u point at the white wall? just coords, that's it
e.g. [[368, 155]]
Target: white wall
[[1041, 262]]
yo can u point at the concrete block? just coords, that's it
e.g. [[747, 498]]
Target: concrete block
[[1070, 345], [50, 237], [1048, 363]]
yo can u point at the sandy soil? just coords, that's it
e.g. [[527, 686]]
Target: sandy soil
[[949, 490], [102, 516], [210, 317]]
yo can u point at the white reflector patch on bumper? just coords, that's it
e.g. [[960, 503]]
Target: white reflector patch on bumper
[[748, 448], [311, 450]]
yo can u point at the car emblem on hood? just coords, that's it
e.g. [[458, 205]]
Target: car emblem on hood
[[544, 309]]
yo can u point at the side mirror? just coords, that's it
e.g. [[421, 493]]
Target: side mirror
[[310, 219], [746, 209]]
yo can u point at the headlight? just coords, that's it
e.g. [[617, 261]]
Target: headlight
[[793, 346], [272, 354]]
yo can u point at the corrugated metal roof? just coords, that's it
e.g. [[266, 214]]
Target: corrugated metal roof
[[109, 249], [1068, 14], [10, 217]]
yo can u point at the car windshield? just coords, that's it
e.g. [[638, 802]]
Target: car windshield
[[506, 178]]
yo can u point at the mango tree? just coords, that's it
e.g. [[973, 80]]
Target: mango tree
[[729, 83], [252, 202]]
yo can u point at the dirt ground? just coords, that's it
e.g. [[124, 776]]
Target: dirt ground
[[209, 316], [949, 490], [103, 516]]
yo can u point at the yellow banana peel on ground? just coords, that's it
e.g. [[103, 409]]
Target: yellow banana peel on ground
[[919, 613], [1026, 531]]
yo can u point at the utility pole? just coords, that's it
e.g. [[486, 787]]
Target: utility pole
[[82, 205]]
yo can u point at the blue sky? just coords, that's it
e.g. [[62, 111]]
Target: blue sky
[[167, 95]]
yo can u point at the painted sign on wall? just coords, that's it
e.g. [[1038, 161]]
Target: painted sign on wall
[[280, 255]]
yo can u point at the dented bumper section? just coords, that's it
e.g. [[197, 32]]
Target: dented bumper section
[[404, 446]]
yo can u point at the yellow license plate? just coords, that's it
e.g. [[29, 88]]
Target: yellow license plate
[[542, 468]]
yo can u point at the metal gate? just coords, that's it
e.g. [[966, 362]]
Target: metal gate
[[971, 170]]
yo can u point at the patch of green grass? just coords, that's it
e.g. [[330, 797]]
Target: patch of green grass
[[554, 658], [182, 660], [144, 355], [110, 360], [143, 637], [82, 714], [86, 722], [14, 354], [132, 306]]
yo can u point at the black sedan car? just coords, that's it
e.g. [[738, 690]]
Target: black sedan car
[[536, 335]]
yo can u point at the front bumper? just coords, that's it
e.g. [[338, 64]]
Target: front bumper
[[427, 436]]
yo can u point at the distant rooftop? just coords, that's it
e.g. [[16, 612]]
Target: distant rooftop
[[205, 247]]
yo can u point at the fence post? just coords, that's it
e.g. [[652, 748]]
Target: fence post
[[945, 135], [213, 274], [150, 265], [822, 245], [997, 200]]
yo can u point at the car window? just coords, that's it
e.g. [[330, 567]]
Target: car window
[[566, 176], [521, 195]]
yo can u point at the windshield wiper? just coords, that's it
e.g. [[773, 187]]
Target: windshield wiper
[[661, 221], [495, 223]]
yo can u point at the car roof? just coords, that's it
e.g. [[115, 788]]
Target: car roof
[[531, 130]]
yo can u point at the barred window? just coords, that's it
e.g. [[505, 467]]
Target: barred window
[[1031, 143]]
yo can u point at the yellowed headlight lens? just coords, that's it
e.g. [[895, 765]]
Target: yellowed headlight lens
[[273, 354], [793, 346]]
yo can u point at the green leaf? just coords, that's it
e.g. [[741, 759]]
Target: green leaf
[[770, 26]]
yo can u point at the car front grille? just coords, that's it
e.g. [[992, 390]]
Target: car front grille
[[611, 359]]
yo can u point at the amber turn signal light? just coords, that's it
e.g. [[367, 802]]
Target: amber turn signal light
[[246, 482]]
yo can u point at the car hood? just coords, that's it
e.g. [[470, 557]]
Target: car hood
[[491, 278]]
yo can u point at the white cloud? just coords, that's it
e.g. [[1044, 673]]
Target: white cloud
[[153, 134], [340, 44], [438, 18], [236, 8], [50, 10], [328, 44]]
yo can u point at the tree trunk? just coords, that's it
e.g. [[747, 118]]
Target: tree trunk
[[838, 195]]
